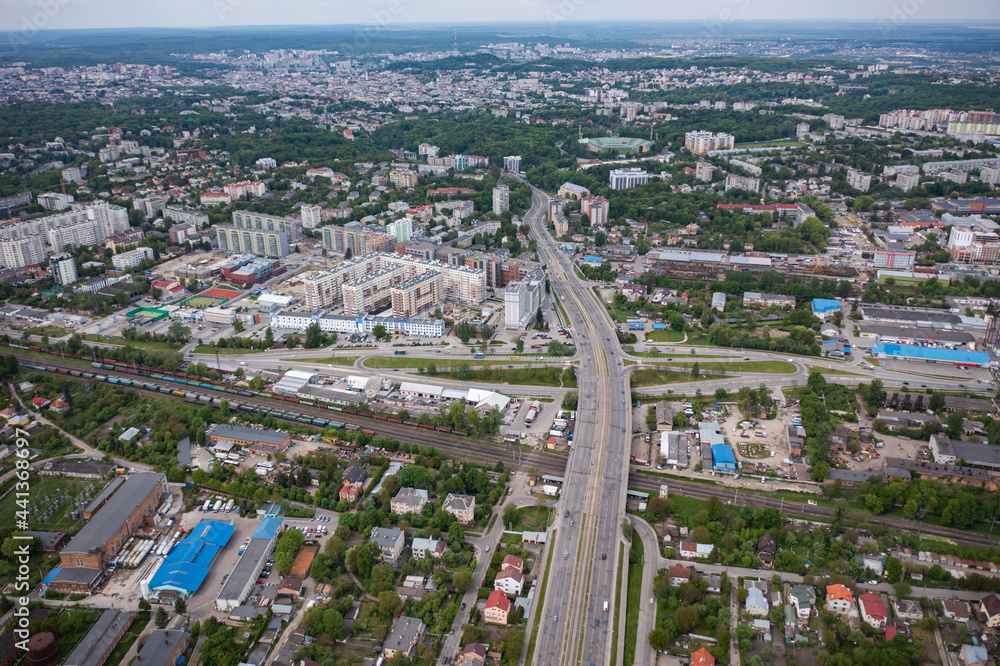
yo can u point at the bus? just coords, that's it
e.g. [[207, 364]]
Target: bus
[[399, 352]]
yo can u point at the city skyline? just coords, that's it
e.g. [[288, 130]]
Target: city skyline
[[119, 14]]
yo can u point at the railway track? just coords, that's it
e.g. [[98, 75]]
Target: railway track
[[536, 462]]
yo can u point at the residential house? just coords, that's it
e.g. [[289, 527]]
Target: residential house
[[803, 600], [497, 608], [351, 492], [714, 584], [873, 611], [462, 507], [989, 610], [390, 541], [839, 600], [908, 609], [422, 548], [679, 574], [473, 654], [404, 637], [702, 657], [767, 548], [509, 581], [973, 655], [690, 550], [756, 603], [957, 611], [512, 562], [409, 500]]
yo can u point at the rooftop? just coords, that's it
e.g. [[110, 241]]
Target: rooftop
[[105, 524]]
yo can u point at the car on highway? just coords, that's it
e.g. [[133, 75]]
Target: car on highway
[[651, 600], [462, 607], [604, 556], [565, 554], [555, 618]]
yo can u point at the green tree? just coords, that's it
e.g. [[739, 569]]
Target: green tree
[[695, 370], [519, 345], [721, 394], [462, 580], [379, 331], [676, 321], [268, 338], [686, 618], [953, 428], [333, 624], [314, 336], [161, 617], [659, 639], [180, 606], [464, 372], [284, 561], [936, 403], [238, 326], [389, 603]]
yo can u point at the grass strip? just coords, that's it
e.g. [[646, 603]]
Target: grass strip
[[541, 600], [633, 602], [618, 603]]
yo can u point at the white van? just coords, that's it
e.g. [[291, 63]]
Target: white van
[[605, 606]]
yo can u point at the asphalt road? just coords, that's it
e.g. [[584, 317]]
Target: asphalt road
[[592, 503]]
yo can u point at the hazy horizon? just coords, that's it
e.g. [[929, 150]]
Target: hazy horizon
[[36, 15]]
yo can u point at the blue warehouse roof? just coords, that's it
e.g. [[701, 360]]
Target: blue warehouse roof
[[722, 454], [932, 354], [189, 562], [825, 305]]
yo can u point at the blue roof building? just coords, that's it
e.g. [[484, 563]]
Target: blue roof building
[[931, 354], [635, 324], [825, 306], [593, 261], [187, 565], [723, 459], [268, 528]]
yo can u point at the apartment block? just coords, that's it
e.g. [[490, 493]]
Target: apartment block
[[859, 180], [312, 217], [234, 240], [703, 172], [416, 295], [185, 216], [597, 209], [372, 291], [244, 219], [703, 142], [132, 258], [23, 252], [895, 260], [400, 230], [734, 181], [63, 268], [501, 199]]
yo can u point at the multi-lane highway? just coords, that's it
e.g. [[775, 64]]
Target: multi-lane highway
[[575, 627]]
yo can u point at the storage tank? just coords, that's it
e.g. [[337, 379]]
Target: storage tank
[[43, 649]]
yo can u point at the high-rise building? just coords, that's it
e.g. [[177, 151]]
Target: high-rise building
[[990, 175], [357, 238], [522, 299], [512, 163], [859, 180], [703, 171], [186, 216], [23, 252], [403, 178], [312, 217], [597, 209], [501, 199], [244, 219], [417, 294], [55, 200], [234, 240], [461, 162], [623, 179], [703, 142], [401, 230], [62, 267]]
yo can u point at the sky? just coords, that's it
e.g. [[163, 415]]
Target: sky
[[33, 15]]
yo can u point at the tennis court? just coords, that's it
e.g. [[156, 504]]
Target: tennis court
[[202, 302], [153, 313], [219, 292]]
